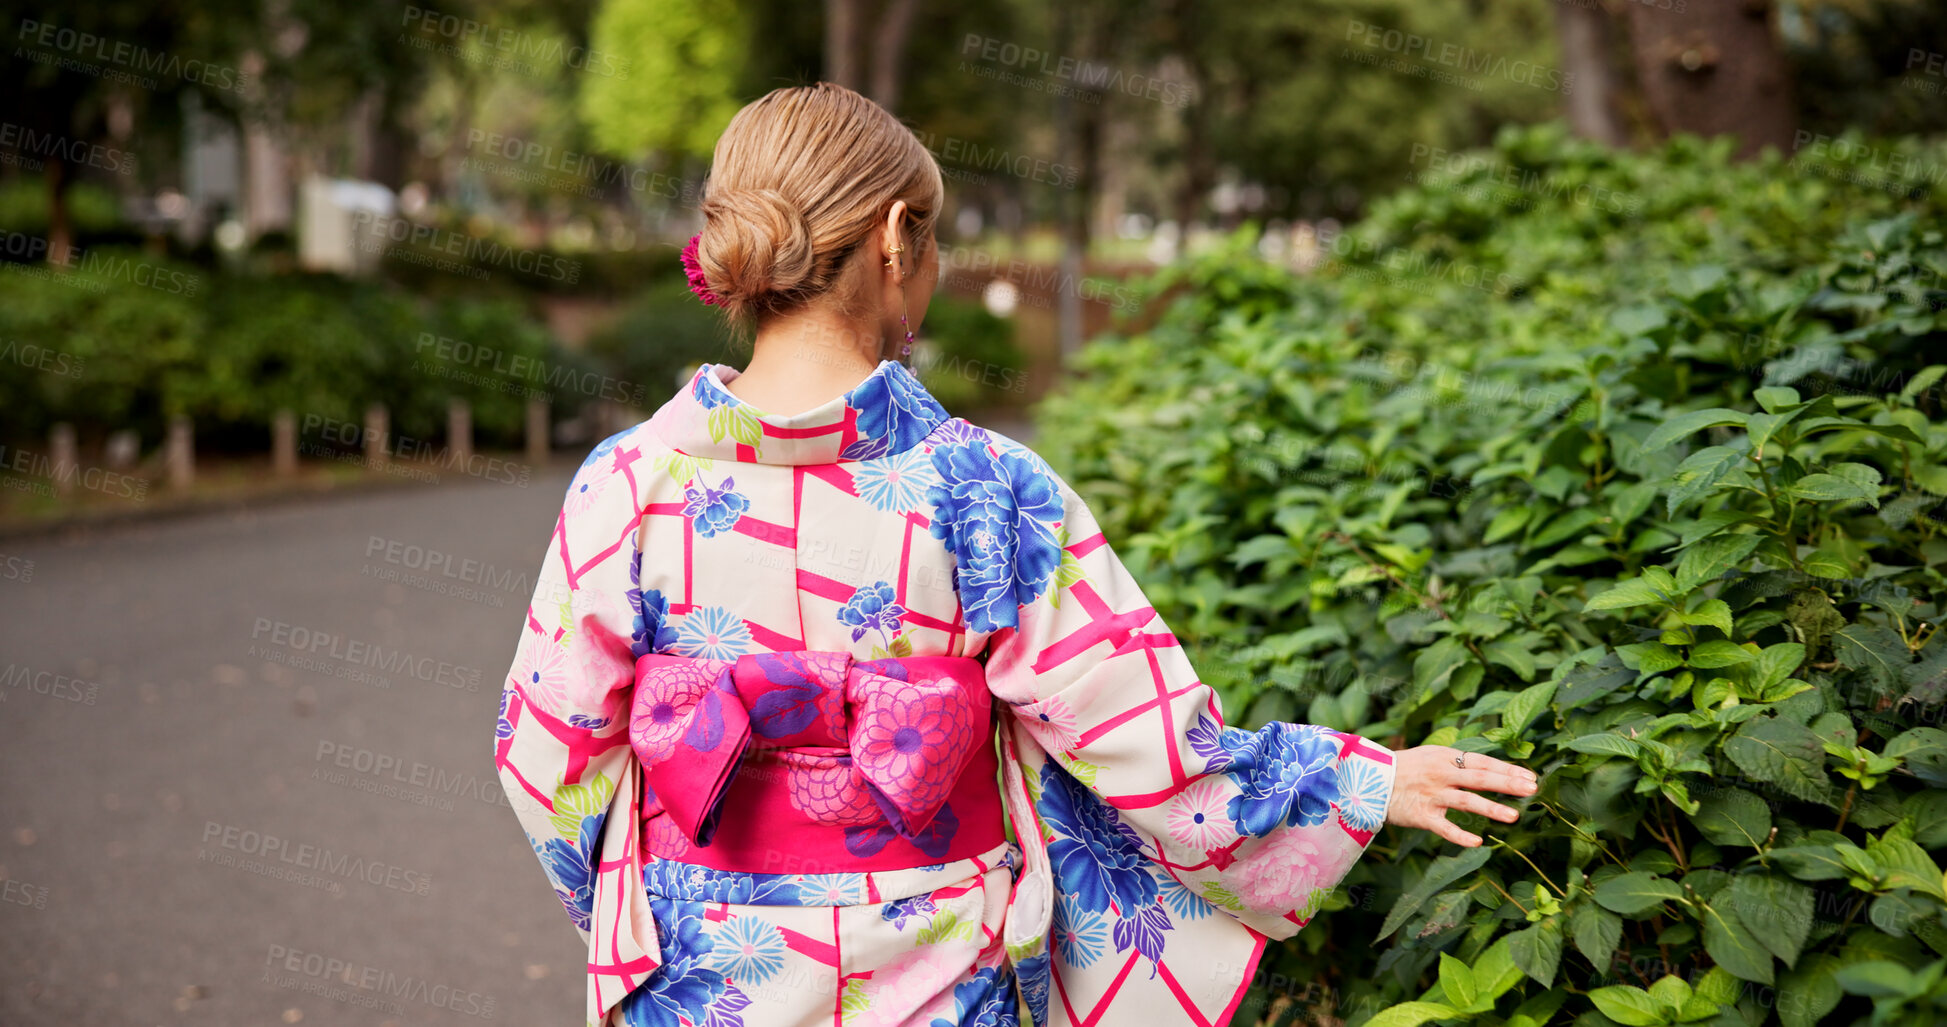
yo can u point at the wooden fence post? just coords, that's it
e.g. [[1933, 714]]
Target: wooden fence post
[[537, 431], [283, 443], [181, 450], [60, 444], [377, 425], [459, 433]]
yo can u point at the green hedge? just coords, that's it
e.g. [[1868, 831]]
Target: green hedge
[[128, 339], [1647, 493]]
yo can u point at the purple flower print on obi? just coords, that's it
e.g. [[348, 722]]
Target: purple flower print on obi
[[873, 607], [714, 511], [934, 839], [997, 514], [895, 413]]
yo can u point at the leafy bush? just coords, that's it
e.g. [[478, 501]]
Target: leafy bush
[[128, 339], [1649, 499], [967, 357], [656, 340]]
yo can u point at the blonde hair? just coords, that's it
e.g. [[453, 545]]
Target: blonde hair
[[800, 178]]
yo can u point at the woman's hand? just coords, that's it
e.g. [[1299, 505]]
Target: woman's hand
[[1426, 784]]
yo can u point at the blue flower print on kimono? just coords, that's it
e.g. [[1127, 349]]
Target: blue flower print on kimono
[[896, 482], [685, 989], [873, 607], [712, 633], [1288, 772], [567, 865], [1100, 862], [895, 413], [984, 1000], [651, 632], [714, 511], [997, 515], [602, 449]]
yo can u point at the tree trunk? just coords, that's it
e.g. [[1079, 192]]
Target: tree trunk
[[60, 231], [1715, 68], [889, 55], [1586, 40], [841, 42]]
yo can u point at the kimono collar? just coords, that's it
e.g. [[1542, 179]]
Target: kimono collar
[[889, 412]]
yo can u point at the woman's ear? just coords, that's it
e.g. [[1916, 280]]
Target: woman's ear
[[895, 243]]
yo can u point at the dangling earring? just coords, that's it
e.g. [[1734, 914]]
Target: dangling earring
[[892, 261], [906, 350]]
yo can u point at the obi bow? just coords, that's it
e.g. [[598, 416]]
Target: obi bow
[[862, 740]]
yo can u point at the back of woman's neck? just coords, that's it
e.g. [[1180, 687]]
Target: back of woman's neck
[[799, 362]]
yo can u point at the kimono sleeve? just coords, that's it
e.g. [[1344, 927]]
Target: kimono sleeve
[[561, 743], [1150, 802]]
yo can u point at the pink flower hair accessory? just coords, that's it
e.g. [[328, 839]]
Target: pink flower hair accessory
[[694, 271]]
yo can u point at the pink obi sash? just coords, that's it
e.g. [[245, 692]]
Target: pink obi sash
[[813, 762]]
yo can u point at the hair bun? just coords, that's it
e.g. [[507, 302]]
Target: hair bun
[[755, 248]]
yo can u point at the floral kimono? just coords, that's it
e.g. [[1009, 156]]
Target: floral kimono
[[852, 717]]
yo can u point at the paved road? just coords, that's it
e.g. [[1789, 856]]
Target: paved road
[[166, 707]]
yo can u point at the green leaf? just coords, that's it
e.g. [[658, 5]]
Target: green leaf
[[1715, 613], [1808, 993], [1642, 591], [1606, 743], [1525, 705], [1733, 816], [1776, 663], [1412, 1014], [1874, 649], [1772, 398], [1719, 653], [1538, 950], [1457, 981], [1782, 753], [1597, 932], [1697, 473], [1734, 947], [1686, 424], [1513, 654], [1495, 973], [1778, 912], [1626, 1005], [1636, 893], [1876, 979], [1442, 872], [1831, 488], [1712, 557]]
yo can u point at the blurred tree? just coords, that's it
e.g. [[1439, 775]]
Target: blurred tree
[[1715, 69], [685, 60], [80, 73]]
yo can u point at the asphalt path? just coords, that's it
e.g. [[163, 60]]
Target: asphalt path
[[246, 768]]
